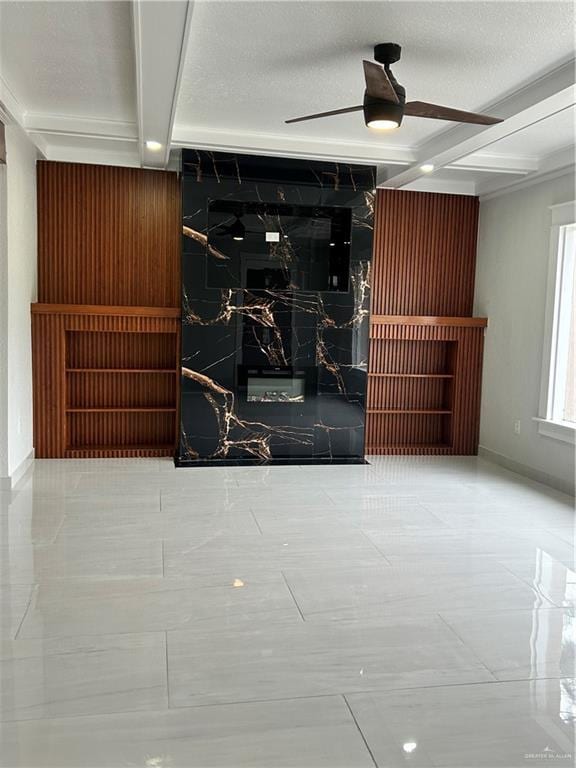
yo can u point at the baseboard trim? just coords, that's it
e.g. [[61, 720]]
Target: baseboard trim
[[524, 469], [8, 483]]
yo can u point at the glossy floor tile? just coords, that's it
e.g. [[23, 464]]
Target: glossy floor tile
[[304, 733], [87, 607], [193, 556], [412, 611], [314, 658], [521, 644], [501, 725], [79, 676], [389, 591]]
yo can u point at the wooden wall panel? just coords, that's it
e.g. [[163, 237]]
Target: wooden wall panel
[[424, 253], [425, 348], [108, 235]]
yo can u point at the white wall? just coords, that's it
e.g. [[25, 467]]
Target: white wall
[[17, 291], [511, 276]]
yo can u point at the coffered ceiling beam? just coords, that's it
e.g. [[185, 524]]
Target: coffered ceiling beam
[[543, 98], [279, 145], [160, 37]]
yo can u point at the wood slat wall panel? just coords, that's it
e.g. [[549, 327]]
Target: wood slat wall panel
[[149, 340], [389, 393], [422, 291], [97, 349], [120, 429], [108, 235], [407, 356], [120, 390], [424, 253]]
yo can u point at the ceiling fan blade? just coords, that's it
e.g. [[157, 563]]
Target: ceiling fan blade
[[325, 114], [378, 85], [436, 112]]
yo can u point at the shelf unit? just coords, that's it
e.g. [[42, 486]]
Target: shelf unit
[[424, 385], [105, 380]]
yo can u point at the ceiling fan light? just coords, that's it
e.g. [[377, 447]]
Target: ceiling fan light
[[382, 115], [383, 125]]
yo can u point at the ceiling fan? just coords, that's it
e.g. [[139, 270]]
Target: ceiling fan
[[385, 99]]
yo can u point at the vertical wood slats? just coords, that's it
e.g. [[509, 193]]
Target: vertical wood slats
[[108, 235], [64, 339], [423, 265], [424, 253], [97, 349]]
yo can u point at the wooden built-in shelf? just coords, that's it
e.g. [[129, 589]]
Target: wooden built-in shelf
[[435, 411], [433, 320], [424, 385], [409, 446], [414, 375], [120, 410], [121, 370], [105, 380], [118, 451]]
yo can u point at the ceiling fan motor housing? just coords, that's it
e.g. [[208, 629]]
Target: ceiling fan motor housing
[[387, 53], [384, 110]]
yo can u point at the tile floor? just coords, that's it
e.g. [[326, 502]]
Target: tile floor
[[413, 612]]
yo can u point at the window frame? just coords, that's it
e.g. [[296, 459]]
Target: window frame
[[561, 216]]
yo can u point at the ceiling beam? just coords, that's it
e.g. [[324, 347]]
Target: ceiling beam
[[543, 98], [279, 145], [160, 38]]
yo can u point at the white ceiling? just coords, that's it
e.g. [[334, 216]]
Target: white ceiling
[[70, 58], [91, 81]]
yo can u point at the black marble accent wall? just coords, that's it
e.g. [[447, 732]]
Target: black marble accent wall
[[275, 309]]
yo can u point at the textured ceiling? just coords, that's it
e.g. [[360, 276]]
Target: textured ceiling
[[251, 65], [70, 58], [68, 71]]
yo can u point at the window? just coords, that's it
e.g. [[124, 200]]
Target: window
[[558, 397]]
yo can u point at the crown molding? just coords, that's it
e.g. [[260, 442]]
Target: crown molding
[[553, 166], [88, 127]]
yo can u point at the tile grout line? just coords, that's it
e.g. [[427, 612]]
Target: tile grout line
[[353, 716], [167, 670], [371, 691], [64, 518], [28, 604], [369, 540], [256, 521], [471, 650], [292, 595]]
